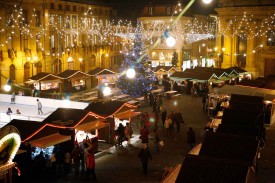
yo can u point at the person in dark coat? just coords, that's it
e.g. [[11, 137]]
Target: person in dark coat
[[120, 133], [144, 155], [163, 115], [60, 157], [144, 134], [191, 138], [151, 99], [178, 119]]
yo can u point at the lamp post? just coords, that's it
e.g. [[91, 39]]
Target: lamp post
[[32, 61]]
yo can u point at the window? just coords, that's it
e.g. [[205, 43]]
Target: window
[[9, 17], [241, 50], [57, 66], [271, 38], [9, 42], [26, 42], [12, 72], [68, 40], [74, 21], [150, 10], [74, 8], [67, 7], [59, 6], [37, 41], [52, 6], [60, 21], [68, 23], [37, 18], [82, 9], [71, 65], [24, 19], [168, 10], [52, 41], [38, 66], [26, 71]]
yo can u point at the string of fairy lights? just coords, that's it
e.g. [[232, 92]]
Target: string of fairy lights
[[106, 32]]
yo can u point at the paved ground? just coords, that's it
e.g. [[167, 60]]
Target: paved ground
[[121, 165]]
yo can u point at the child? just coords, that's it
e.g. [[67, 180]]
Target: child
[[17, 111]]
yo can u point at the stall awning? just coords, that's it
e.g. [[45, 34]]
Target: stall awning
[[127, 115], [93, 125], [172, 176], [50, 140]]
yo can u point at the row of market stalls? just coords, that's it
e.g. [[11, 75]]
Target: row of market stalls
[[98, 120], [75, 80], [228, 153], [209, 74], [72, 80]]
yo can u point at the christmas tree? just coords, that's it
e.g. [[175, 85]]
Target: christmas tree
[[136, 58]]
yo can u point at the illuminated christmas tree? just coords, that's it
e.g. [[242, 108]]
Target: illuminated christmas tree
[[136, 58]]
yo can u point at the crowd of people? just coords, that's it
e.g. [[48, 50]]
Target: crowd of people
[[60, 162], [157, 116]]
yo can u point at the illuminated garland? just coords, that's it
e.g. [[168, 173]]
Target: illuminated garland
[[98, 32], [80, 121], [13, 140]]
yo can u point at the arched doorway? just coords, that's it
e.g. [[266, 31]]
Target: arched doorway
[[38, 66], [91, 62], [241, 50], [12, 72], [103, 63], [26, 71], [57, 66]]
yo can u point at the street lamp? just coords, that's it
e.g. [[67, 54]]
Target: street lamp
[[7, 87], [34, 61]]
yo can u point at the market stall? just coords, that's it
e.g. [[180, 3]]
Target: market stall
[[74, 80], [44, 81], [113, 113], [101, 76], [162, 71]]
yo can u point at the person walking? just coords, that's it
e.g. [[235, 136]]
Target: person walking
[[128, 133], [167, 125], [163, 115], [120, 133], [156, 140], [90, 161], [191, 138], [158, 103], [178, 119], [76, 154], [39, 105], [204, 103], [13, 98], [144, 134], [144, 155]]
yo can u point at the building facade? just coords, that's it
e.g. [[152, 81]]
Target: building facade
[[55, 35], [194, 34], [246, 35]]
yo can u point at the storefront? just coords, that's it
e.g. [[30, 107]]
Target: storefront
[[100, 76], [164, 71], [74, 80], [44, 82]]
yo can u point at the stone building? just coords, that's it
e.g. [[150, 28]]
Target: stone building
[[246, 35], [53, 36], [194, 34]]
